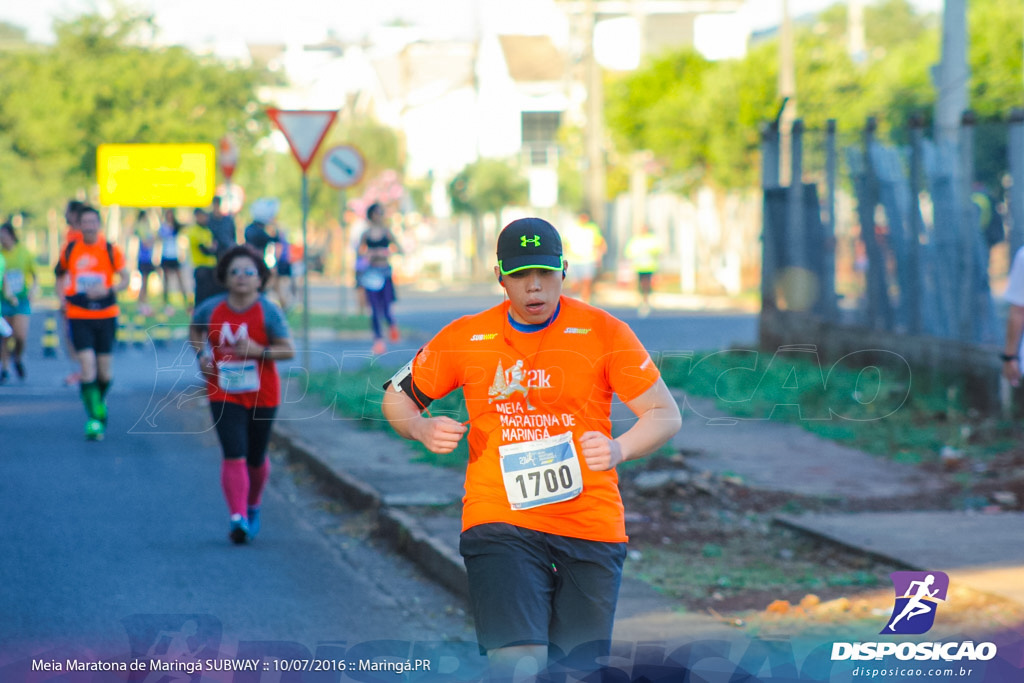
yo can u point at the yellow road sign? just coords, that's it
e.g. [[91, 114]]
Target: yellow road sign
[[156, 175]]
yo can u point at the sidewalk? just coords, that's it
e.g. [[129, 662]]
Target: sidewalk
[[418, 505]]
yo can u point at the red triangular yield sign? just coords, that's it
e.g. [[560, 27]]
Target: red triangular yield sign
[[304, 130]]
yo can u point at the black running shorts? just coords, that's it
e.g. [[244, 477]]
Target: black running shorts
[[97, 334], [532, 588]]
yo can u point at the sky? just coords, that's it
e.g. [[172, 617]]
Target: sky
[[193, 22]]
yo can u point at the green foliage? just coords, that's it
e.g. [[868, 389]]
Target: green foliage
[[892, 24], [11, 35], [996, 84], [996, 45], [487, 186], [662, 108], [329, 321], [702, 119], [99, 84], [570, 173]]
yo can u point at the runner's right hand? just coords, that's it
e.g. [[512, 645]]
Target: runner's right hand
[[440, 434], [1011, 371]]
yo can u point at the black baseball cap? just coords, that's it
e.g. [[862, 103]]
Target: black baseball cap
[[529, 243]]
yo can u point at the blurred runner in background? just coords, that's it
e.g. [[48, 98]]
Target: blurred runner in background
[[19, 286]]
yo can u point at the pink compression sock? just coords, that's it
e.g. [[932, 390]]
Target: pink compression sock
[[234, 479], [257, 481]]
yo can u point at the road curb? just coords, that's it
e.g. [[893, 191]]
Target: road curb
[[438, 560], [403, 531], [336, 483]]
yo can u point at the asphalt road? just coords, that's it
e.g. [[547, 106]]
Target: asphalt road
[[666, 330], [119, 550], [121, 546]]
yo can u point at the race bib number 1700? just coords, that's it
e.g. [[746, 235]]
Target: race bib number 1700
[[541, 472]]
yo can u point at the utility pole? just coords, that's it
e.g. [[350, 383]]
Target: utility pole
[[856, 42], [638, 160], [594, 187], [787, 89], [952, 74]]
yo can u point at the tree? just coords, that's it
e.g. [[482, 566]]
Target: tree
[[994, 54], [100, 83], [702, 119], [10, 34], [482, 187]]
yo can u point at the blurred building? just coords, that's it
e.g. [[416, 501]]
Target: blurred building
[[498, 94], [495, 92]]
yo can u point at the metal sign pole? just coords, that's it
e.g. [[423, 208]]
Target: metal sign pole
[[304, 130], [305, 273], [343, 264]]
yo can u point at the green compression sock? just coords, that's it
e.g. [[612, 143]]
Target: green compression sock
[[90, 398]]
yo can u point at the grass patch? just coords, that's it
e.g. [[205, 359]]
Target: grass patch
[[330, 321], [730, 567], [871, 404], [357, 394], [870, 401]]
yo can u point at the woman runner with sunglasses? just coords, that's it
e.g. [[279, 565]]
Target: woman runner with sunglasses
[[237, 337]]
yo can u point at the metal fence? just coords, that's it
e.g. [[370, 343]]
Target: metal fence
[[893, 232]]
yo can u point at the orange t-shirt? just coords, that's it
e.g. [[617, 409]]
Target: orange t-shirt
[[88, 264], [527, 386]]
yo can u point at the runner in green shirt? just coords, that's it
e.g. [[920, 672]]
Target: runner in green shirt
[[15, 304]]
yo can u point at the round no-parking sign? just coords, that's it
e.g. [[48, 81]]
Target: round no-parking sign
[[343, 166]]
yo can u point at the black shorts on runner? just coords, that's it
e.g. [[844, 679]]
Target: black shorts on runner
[[532, 588], [97, 334], [644, 282], [170, 264], [243, 432]]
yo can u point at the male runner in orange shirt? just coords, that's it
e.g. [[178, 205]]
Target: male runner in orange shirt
[[543, 523], [90, 267]]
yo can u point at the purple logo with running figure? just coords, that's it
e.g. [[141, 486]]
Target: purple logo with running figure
[[917, 597]]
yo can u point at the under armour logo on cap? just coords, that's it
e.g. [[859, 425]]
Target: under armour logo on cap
[[529, 243]]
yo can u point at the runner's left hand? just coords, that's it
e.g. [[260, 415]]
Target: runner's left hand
[[599, 452], [247, 348], [98, 292]]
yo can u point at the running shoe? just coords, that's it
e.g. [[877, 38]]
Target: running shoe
[[379, 347], [94, 430], [254, 520], [19, 369], [393, 334], [239, 532]]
